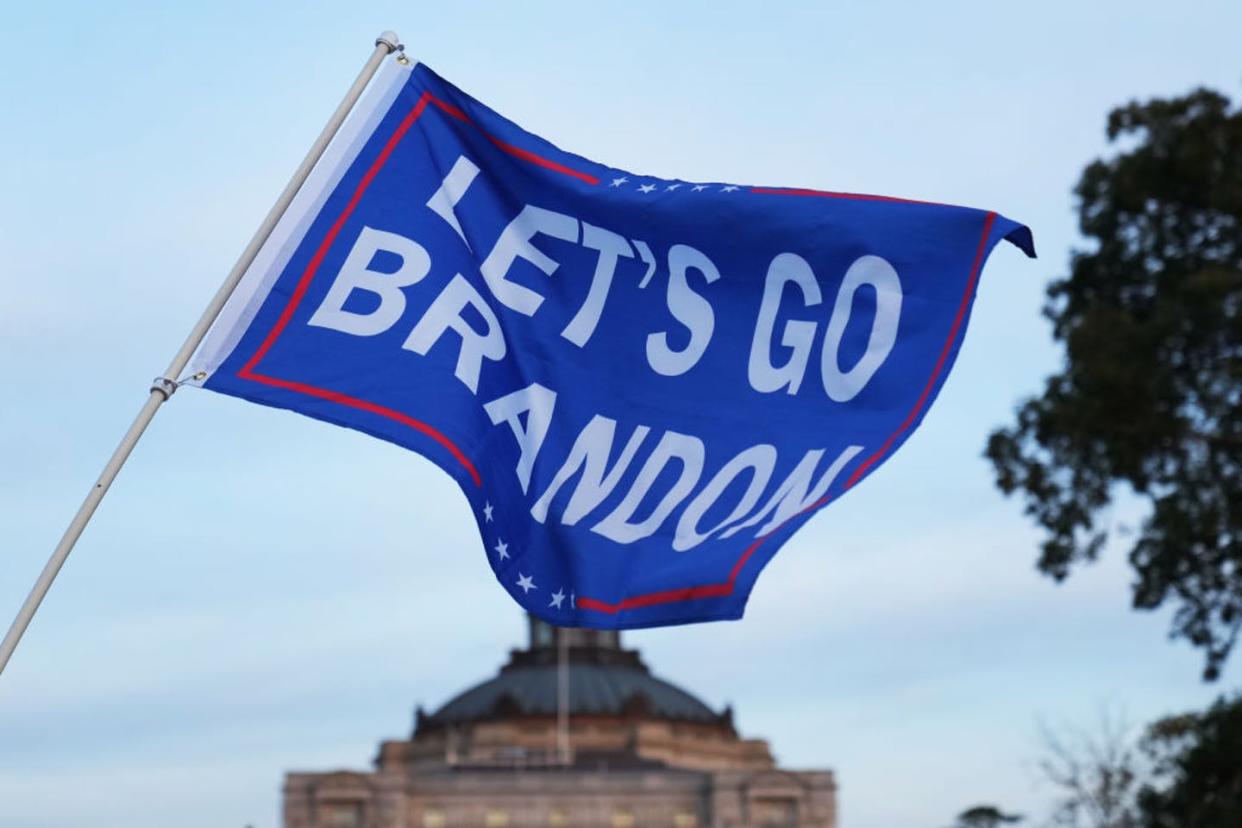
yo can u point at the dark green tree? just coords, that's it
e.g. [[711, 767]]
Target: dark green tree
[[1197, 778], [984, 816], [1149, 399]]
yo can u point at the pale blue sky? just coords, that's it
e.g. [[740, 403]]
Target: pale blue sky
[[262, 592]]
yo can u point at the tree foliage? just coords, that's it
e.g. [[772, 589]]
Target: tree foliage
[[985, 816], [1186, 771], [1094, 772], [1197, 777], [1150, 394]]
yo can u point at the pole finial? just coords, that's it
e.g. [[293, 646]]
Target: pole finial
[[390, 39]]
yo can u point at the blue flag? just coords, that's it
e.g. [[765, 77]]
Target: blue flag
[[643, 386]]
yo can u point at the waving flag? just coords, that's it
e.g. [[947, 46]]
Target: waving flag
[[642, 385]]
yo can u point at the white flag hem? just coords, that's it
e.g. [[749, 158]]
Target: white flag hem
[[274, 256]]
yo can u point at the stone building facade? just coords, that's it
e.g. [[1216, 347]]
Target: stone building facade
[[575, 732]]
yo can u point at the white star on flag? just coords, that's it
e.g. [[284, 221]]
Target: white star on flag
[[646, 188], [557, 598], [673, 186], [502, 549], [698, 188], [487, 512], [728, 189], [617, 182], [525, 582]]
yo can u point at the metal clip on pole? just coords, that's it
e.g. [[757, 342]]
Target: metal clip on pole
[[165, 386]]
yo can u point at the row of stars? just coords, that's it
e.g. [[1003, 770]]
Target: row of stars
[[526, 582], [694, 188]]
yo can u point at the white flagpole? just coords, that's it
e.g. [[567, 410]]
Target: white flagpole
[[162, 387], [562, 695]]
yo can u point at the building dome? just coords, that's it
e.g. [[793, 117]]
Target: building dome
[[573, 732], [604, 680], [596, 689]]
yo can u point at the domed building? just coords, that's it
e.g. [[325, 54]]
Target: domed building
[[574, 731]]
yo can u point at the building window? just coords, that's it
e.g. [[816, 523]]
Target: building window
[[497, 819], [774, 812], [685, 820], [342, 815], [622, 819], [434, 819]]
